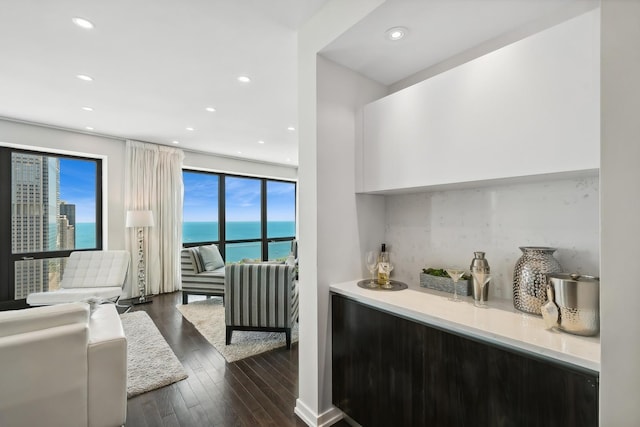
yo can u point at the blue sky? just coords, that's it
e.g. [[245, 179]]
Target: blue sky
[[200, 197], [78, 187], [242, 202]]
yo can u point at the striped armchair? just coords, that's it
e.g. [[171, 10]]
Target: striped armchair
[[195, 279], [260, 297]]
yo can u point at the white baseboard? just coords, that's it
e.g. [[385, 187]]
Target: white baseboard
[[312, 419]]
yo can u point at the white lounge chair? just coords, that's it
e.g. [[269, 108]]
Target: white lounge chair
[[88, 274]]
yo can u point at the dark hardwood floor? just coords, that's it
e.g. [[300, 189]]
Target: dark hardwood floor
[[258, 391]]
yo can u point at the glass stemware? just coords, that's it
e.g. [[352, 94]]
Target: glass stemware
[[386, 268], [371, 261], [455, 274], [482, 278]]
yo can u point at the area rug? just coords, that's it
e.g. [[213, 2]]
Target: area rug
[[151, 363], [208, 318]]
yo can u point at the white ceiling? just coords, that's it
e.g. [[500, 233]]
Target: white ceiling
[[157, 64], [439, 30]]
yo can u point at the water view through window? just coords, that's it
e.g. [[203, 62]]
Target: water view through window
[[243, 210]]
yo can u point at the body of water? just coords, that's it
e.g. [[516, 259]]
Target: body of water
[[85, 235], [193, 232]]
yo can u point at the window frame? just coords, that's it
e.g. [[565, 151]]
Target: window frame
[[7, 266], [264, 240]]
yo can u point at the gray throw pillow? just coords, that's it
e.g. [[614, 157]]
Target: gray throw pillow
[[211, 257]]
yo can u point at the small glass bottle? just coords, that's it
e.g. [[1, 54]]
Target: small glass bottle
[[383, 263]]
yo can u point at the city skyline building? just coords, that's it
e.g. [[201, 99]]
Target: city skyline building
[[66, 233], [67, 225], [68, 210], [35, 201]]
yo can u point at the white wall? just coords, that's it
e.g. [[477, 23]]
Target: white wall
[[444, 228], [347, 225], [620, 214], [325, 165], [112, 152], [208, 162]]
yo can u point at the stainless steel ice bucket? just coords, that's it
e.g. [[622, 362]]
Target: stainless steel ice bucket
[[578, 301]]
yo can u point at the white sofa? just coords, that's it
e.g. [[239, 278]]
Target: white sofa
[[63, 367]]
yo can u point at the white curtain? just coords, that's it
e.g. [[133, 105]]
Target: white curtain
[[153, 181]]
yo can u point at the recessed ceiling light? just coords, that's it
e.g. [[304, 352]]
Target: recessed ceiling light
[[261, 142], [244, 79], [210, 109], [83, 23], [291, 128], [176, 142], [288, 159], [190, 129], [396, 33], [239, 152], [88, 128], [87, 108], [85, 77]]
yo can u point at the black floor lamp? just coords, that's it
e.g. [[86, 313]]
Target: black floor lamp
[[140, 220]]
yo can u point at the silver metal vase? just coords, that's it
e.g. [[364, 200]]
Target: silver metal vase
[[530, 277]]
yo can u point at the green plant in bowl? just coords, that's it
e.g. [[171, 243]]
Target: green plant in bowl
[[439, 272]]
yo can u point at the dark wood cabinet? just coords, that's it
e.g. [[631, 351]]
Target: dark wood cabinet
[[390, 371]]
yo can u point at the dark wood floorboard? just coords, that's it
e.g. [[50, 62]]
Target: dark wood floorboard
[[258, 391]]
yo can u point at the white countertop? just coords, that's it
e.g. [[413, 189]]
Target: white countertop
[[500, 324]]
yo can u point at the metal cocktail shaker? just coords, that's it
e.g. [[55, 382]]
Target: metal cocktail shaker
[[480, 265]]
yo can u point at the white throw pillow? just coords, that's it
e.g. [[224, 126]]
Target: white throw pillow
[[211, 257]]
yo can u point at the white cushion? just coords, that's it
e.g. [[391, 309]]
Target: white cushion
[[73, 294], [95, 269], [218, 272], [21, 321], [211, 257]]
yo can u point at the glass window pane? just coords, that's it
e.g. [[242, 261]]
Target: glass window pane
[[236, 252], [37, 275], [77, 223], [281, 209], [200, 209], [53, 203], [242, 208], [279, 251]]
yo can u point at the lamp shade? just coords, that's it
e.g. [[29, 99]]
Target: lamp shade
[[140, 219]]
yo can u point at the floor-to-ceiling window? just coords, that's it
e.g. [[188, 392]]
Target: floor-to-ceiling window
[[281, 214], [248, 218], [50, 205]]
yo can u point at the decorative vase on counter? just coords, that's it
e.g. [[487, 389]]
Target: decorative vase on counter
[[530, 277]]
